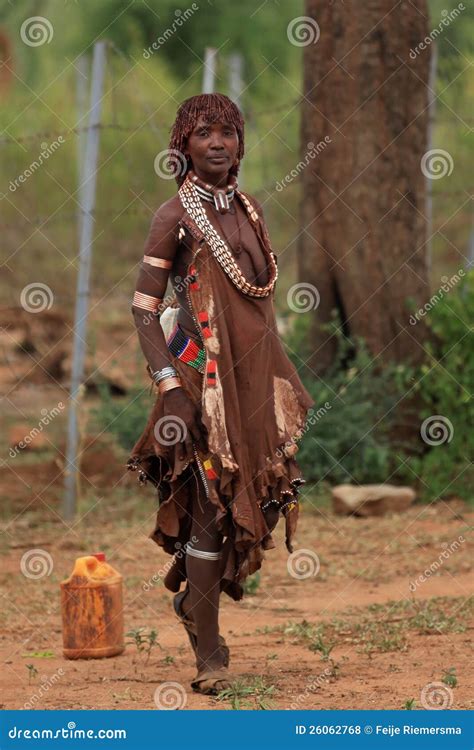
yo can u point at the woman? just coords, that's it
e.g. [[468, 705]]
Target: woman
[[220, 442]]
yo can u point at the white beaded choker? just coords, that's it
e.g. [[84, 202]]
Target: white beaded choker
[[208, 196]]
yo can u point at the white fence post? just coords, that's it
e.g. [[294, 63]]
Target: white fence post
[[87, 199], [209, 72], [235, 92], [429, 139]]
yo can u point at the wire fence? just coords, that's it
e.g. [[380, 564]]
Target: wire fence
[[86, 214], [119, 66]]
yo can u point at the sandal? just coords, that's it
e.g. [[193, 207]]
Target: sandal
[[212, 681], [191, 630]]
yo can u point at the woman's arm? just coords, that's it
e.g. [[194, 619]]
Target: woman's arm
[[160, 250], [159, 253]]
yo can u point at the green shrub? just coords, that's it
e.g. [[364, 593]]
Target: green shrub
[[124, 417], [445, 383], [357, 406], [348, 436]]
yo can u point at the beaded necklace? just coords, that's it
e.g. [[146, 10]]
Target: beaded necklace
[[221, 197], [191, 201]]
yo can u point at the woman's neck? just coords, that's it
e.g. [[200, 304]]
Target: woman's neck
[[214, 180]]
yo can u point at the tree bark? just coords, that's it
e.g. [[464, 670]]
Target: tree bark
[[363, 244]]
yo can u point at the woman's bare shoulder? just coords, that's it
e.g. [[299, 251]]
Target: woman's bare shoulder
[[171, 211], [162, 237]]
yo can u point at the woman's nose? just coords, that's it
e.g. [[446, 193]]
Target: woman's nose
[[216, 140]]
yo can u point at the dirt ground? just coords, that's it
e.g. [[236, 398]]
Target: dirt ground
[[365, 632]]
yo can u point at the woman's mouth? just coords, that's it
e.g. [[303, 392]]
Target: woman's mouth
[[217, 159]]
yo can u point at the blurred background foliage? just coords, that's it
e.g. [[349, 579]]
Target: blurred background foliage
[[356, 436], [353, 442], [144, 94]]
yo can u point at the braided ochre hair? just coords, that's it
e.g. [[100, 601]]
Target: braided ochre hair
[[213, 108]]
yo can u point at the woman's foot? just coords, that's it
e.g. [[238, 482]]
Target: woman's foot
[[212, 681]]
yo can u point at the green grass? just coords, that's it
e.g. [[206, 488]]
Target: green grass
[[381, 627], [252, 584], [252, 693], [449, 677]]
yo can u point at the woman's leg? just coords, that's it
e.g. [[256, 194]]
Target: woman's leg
[[202, 603]]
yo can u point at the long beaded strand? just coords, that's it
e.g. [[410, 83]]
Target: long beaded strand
[[219, 248]]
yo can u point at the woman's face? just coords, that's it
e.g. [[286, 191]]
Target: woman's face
[[213, 150]]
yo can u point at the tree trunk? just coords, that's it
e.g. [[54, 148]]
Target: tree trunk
[[364, 240]]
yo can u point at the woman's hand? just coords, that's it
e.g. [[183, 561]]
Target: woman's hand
[[183, 422]]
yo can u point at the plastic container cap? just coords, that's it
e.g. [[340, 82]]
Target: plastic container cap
[[99, 555]]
